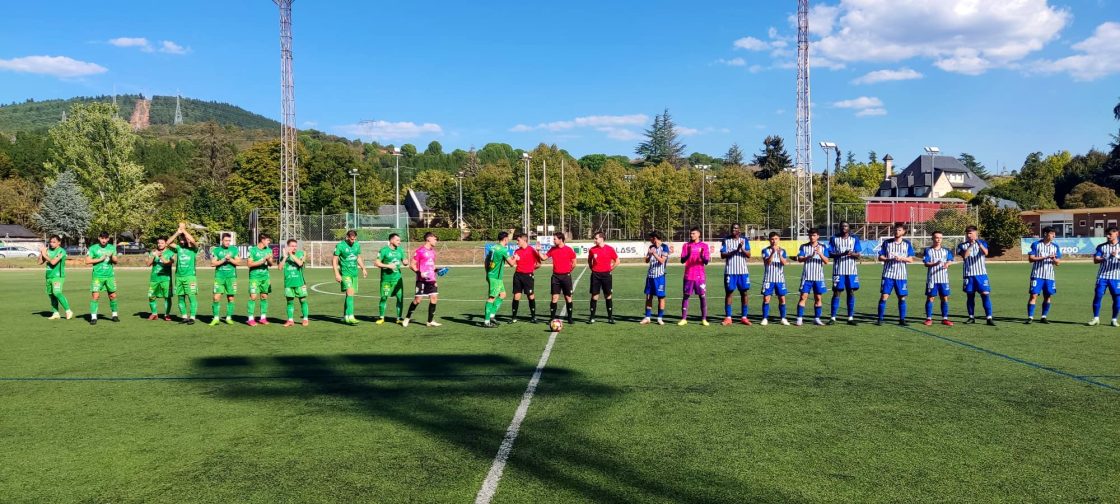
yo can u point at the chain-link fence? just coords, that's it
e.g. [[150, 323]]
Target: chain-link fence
[[327, 227]]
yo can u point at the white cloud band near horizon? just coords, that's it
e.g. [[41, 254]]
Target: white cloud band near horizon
[[56, 66], [145, 45], [616, 127], [1099, 56], [388, 130], [888, 75], [865, 106]]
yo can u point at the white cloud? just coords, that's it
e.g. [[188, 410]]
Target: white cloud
[[617, 127], [871, 112], [1100, 56], [961, 36], [686, 131], [310, 124], [888, 75], [385, 130], [862, 102], [751, 44], [140, 42], [619, 133], [170, 47], [58, 66], [735, 62]]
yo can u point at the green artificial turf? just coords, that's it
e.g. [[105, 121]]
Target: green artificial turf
[[142, 411]]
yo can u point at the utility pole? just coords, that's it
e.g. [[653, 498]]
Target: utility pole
[[526, 200]]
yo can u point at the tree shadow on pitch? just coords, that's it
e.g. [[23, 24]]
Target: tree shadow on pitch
[[423, 392]]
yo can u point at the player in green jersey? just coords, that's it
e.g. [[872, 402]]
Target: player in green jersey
[[346, 263], [225, 262], [103, 255], [391, 259], [496, 261], [159, 282], [260, 283], [185, 250], [55, 259], [294, 284]]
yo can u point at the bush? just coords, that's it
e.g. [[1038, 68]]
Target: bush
[[443, 234], [365, 234], [1002, 227]]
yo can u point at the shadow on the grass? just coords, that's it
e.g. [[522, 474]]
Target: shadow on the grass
[[420, 391]]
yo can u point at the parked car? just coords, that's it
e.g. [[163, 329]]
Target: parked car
[[75, 250], [15, 251], [131, 248]]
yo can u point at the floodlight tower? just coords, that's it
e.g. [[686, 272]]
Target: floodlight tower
[[803, 179], [289, 173], [178, 110]]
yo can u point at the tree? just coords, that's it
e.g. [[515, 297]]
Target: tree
[[1090, 195], [256, 176], [434, 149], [662, 142], [969, 161], [65, 210], [408, 151], [1002, 227], [734, 156], [21, 199], [98, 146], [865, 176], [949, 221], [773, 158], [959, 194]]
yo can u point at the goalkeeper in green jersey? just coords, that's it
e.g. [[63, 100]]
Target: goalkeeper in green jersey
[[295, 287], [55, 259], [185, 248], [103, 257], [391, 259], [159, 281], [225, 261], [260, 281]]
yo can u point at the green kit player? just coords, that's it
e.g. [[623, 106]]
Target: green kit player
[[391, 259], [347, 261], [260, 284], [55, 259], [159, 282], [224, 260], [295, 287], [185, 248], [496, 261], [103, 255]]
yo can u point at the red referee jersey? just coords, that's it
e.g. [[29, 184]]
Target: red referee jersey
[[562, 258], [527, 259], [601, 258]]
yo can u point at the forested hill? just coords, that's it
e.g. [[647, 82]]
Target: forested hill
[[31, 115]]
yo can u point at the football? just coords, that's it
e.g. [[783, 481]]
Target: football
[[556, 325]]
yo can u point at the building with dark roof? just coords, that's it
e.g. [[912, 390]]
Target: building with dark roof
[[928, 176]]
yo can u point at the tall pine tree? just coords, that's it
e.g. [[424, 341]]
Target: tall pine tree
[[662, 142], [64, 210], [969, 161], [773, 158], [734, 156]]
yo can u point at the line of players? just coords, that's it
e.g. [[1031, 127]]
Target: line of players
[[842, 251]]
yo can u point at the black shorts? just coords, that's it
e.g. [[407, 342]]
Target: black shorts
[[562, 284], [602, 282], [424, 288], [523, 283]]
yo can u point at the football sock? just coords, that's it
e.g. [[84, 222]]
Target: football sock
[[513, 307], [216, 307], [381, 306], [303, 307], [765, 310], [229, 309], [1030, 310], [194, 304], [63, 301], [835, 304], [851, 304], [113, 305], [532, 307], [945, 309], [432, 312], [882, 308], [684, 307], [1097, 303], [902, 309], [151, 304], [551, 311], [929, 308], [1045, 307], [782, 309], [817, 311], [610, 307], [348, 306], [252, 308], [971, 304], [594, 303], [987, 301], [727, 310], [291, 308], [703, 308], [800, 310], [54, 305]]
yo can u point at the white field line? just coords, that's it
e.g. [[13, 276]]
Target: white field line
[[494, 477], [449, 300]]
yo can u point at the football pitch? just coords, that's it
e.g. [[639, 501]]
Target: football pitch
[[154, 411]]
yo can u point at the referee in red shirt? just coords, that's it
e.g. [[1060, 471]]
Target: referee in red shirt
[[563, 262], [602, 259], [528, 259]]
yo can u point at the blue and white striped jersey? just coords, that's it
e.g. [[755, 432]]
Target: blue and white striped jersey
[[812, 269], [1044, 269], [657, 268], [775, 271], [736, 263], [973, 258], [937, 274], [837, 246], [893, 268], [1110, 268]]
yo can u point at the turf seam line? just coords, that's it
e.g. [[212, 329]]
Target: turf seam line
[[494, 476], [1035, 365]]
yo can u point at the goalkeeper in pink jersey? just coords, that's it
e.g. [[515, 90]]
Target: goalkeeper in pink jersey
[[695, 256]]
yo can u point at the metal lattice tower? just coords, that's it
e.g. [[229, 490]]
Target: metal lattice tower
[[178, 110], [803, 180], [289, 172]]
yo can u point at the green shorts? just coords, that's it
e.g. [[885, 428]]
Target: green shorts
[[54, 286], [260, 286], [103, 284], [227, 286], [392, 288], [295, 292], [186, 286], [497, 287], [159, 288], [348, 283]]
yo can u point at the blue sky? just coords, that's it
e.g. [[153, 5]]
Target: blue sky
[[997, 79]]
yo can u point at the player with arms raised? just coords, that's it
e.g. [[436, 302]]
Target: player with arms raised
[[735, 251], [657, 256], [895, 254], [159, 281], [1044, 256], [774, 260], [424, 264], [814, 257], [103, 256], [390, 260], [186, 280], [937, 260], [346, 263], [55, 259]]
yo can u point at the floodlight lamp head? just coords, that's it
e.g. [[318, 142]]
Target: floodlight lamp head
[[396, 151], [828, 145], [933, 150]]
